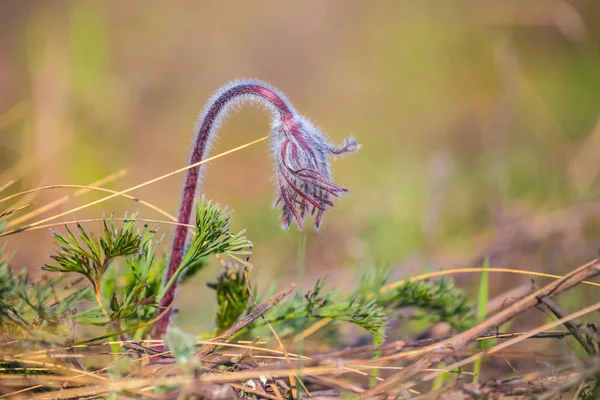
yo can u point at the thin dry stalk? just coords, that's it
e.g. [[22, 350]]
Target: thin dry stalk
[[7, 185], [574, 326], [151, 181], [80, 221], [82, 190], [247, 320]]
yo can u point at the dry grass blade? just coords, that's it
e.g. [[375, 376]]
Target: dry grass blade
[[133, 384], [231, 377], [112, 196], [475, 270], [54, 367], [82, 190], [81, 221], [14, 210], [7, 185], [62, 200]]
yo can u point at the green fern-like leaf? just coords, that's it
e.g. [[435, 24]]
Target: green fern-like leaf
[[440, 300], [90, 255], [212, 237], [320, 303]]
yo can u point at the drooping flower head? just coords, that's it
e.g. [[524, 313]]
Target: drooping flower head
[[300, 150], [301, 154]]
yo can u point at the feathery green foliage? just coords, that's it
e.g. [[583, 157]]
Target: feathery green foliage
[[91, 256], [134, 286], [212, 237], [440, 300], [126, 278], [127, 295]]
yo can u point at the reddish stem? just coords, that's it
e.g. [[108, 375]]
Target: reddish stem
[[208, 122]]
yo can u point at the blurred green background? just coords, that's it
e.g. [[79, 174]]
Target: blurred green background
[[479, 123]]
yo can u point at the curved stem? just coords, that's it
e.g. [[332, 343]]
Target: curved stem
[[208, 123]]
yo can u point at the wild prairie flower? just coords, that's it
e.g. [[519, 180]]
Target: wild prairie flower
[[300, 150], [301, 155]]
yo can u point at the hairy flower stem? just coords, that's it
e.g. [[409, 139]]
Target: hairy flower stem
[[300, 153]]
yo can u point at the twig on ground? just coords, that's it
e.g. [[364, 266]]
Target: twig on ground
[[144, 350], [575, 326], [508, 298]]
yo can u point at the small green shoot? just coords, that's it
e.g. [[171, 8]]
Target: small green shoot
[[212, 237]]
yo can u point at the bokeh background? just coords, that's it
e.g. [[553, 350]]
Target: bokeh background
[[479, 123]]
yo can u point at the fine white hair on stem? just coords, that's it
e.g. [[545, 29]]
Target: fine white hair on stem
[[301, 158]]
